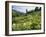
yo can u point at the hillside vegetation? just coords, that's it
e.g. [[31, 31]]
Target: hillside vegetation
[[26, 21]]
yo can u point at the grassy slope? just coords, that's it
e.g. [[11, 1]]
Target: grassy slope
[[29, 22]]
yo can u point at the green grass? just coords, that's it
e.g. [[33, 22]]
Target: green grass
[[30, 22]]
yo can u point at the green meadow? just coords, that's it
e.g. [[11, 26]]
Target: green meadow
[[31, 20]]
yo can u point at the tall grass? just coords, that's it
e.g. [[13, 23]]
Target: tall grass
[[31, 21]]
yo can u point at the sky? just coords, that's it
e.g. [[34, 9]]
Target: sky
[[22, 8]]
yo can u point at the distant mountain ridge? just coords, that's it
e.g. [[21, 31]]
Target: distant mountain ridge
[[18, 12]]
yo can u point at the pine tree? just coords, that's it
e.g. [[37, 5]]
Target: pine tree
[[26, 11]]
